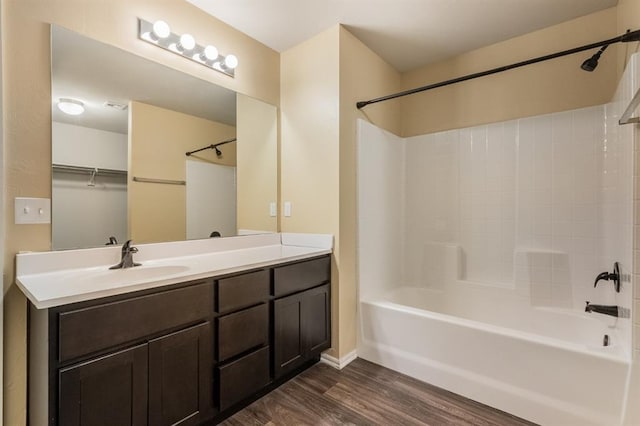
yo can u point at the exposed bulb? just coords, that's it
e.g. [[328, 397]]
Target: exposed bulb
[[231, 61], [187, 42], [161, 30], [210, 53]]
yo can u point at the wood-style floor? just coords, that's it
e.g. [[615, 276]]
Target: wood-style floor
[[364, 393]]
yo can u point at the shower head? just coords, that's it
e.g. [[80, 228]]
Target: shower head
[[591, 63]]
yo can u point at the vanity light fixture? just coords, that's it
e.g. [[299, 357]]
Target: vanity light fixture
[[231, 62], [71, 106], [208, 54], [185, 44], [159, 34], [160, 29]]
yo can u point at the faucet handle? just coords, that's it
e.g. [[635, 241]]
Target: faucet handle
[[613, 276], [127, 248]]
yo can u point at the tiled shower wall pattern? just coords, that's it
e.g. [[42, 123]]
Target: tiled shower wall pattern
[[540, 204]]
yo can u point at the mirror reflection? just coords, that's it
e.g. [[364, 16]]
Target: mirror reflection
[[121, 128]]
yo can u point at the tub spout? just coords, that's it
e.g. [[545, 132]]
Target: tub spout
[[602, 309]]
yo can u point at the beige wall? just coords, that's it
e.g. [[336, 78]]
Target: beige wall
[[27, 117], [321, 81], [257, 180], [550, 86], [309, 172], [628, 19], [363, 75], [158, 140]]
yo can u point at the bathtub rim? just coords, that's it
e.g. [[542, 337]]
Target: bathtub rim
[[621, 356]]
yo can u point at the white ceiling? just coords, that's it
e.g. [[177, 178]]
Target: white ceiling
[[406, 33], [93, 72]]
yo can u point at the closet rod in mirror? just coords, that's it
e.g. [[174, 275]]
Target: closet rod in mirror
[[87, 170]]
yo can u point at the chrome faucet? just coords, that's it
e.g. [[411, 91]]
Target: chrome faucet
[[127, 257], [602, 309]]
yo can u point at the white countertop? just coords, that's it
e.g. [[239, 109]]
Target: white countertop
[[52, 279]]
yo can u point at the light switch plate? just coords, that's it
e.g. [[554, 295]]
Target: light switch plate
[[287, 208], [32, 210], [272, 209]]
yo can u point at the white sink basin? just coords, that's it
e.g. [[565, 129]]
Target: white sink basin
[[136, 274]]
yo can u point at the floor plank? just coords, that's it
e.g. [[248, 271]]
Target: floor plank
[[364, 393]]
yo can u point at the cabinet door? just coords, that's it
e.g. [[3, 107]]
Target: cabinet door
[[288, 335], [110, 391], [316, 306], [302, 328], [180, 377]]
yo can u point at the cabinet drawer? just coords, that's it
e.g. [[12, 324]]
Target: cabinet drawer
[[301, 276], [242, 331], [243, 377], [242, 290], [94, 328]]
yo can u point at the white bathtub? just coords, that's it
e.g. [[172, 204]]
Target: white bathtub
[[549, 366]]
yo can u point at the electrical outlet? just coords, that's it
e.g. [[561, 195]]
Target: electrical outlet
[[272, 209], [32, 210], [287, 208]]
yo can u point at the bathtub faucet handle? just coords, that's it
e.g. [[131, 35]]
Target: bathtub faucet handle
[[613, 276]]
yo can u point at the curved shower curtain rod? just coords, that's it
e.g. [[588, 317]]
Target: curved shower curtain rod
[[627, 37], [212, 146]]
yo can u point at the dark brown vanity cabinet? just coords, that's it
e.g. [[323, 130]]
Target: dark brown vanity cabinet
[[187, 354], [166, 381], [180, 386], [137, 360], [109, 390], [243, 336], [302, 321]]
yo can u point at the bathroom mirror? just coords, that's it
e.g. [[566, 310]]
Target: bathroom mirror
[[119, 167]]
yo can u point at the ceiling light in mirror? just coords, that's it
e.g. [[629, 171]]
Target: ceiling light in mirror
[[159, 34], [71, 106]]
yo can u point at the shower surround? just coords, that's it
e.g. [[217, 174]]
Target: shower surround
[[479, 247]]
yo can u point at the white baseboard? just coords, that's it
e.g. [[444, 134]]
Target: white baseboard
[[336, 363]]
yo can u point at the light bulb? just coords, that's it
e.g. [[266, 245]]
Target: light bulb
[[161, 29], [71, 106], [231, 61], [187, 42], [210, 53]]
